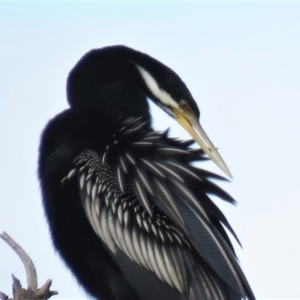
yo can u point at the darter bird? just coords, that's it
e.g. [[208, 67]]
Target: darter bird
[[128, 211]]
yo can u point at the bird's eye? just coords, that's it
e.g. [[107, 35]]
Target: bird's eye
[[183, 105]]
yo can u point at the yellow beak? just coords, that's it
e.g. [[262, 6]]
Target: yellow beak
[[191, 124]]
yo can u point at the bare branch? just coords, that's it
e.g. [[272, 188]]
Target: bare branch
[[3, 296], [17, 287], [27, 262], [32, 292]]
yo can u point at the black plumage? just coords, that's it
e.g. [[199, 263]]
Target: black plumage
[[128, 212]]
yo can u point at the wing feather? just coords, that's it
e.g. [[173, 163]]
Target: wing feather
[[161, 262], [152, 258], [172, 270], [138, 248], [187, 248], [176, 194]]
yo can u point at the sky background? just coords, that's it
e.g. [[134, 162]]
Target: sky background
[[240, 60]]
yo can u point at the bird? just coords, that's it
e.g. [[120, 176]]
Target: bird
[[128, 209]]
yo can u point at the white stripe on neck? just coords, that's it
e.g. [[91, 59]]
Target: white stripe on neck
[[153, 86]]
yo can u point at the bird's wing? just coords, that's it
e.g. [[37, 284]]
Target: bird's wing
[[121, 191], [154, 244]]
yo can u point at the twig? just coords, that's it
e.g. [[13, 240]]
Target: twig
[[3, 296], [27, 262], [32, 292]]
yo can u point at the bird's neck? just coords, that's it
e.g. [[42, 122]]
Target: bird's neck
[[122, 97], [103, 86]]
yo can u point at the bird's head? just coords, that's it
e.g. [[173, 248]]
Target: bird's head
[[109, 71]]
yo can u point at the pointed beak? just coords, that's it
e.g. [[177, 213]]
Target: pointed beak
[[191, 124]]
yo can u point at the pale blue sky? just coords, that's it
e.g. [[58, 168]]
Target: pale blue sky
[[241, 63]]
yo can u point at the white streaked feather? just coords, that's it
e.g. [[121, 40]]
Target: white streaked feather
[[120, 179], [184, 169], [154, 229], [82, 180], [129, 120], [109, 196], [161, 262], [204, 286], [145, 181], [189, 195], [179, 240], [88, 187], [82, 168], [151, 138], [175, 150], [111, 225], [152, 133], [126, 217], [222, 251], [175, 229], [161, 234], [94, 192], [106, 200], [130, 158], [95, 217], [152, 260], [143, 197], [105, 229], [169, 171], [142, 144], [97, 206], [104, 157], [112, 228], [123, 164], [138, 217], [170, 236], [113, 208], [122, 128], [89, 176], [116, 200], [171, 270], [139, 126], [86, 204], [104, 188], [129, 244], [180, 274], [120, 214], [220, 294], [146, 224], [153, 168], [137, 247], [125, 205], [132, 120], [168, 197], [210, 284], [72, 173], [120, 237], [100, 187], [64, 180], [143, 243]]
